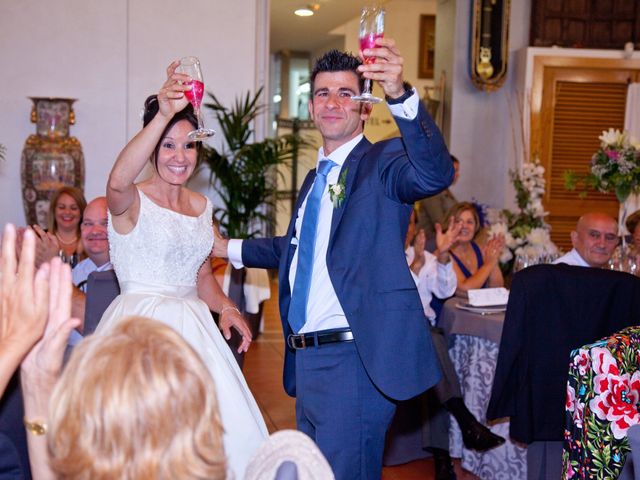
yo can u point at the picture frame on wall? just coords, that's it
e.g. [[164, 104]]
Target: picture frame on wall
[[427, 48]]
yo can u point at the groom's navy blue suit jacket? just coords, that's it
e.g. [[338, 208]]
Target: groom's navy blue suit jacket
[[366, 259]]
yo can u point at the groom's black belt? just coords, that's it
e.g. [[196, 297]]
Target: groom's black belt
[[312, 339]]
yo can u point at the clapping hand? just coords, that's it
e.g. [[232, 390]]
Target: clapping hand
[[24, 295], [47, 246], [445, 240], [493, 249], [42, 366], [419, 243]]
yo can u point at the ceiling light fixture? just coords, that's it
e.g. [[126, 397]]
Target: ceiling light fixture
[[307, 11], [303, 12]]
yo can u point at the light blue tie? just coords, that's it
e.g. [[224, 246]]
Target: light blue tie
[[306, 245]]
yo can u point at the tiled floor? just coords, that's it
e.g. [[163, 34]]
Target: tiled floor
[[263, 371]]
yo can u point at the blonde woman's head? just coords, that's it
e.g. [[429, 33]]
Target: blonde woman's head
[[466, 214], [136, 403]]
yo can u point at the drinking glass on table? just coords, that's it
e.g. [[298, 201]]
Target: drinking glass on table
[[521, 262], [191, 66], [371, 28]]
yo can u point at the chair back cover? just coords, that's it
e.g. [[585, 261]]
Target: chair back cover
[[552, 310], [102, 288], [288, 447]]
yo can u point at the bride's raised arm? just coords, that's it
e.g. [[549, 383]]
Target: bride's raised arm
[[121, 190]]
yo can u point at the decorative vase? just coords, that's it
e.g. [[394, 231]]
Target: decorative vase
[[630, 205], [51, 159]]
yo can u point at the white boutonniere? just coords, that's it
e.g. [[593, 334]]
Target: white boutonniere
[[337, 190]]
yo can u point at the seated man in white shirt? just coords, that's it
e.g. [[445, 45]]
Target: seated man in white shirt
[[434, 275], [594, 241], [93, 232]]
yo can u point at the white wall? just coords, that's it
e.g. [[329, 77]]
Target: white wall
[[478, 126], [402, 23], [481, 132], [110, 56], [445, 55]]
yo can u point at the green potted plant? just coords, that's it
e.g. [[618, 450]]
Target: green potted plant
[[244, 172]]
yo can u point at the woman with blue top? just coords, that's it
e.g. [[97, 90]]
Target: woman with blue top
[[475, 266]]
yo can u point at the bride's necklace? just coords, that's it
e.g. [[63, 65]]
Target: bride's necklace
[[72, 242]]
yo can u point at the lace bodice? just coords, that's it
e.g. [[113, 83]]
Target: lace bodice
[[164, 248]]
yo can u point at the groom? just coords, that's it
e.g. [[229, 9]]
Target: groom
[[356, 335]]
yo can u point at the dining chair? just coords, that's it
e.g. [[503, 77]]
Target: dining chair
[[102, 288], [631, 469], [552, 310], [288, 455]]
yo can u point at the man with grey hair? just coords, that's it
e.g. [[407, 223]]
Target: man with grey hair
[[594, 241]]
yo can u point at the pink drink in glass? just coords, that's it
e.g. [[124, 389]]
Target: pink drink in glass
[[195, 94], [369, 41]]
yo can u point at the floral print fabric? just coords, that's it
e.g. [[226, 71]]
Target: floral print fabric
[[603, 398]]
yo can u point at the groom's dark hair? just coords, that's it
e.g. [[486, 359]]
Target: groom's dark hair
[[336, 61]]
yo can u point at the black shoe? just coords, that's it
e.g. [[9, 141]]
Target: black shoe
[[444, 467], [478, 437]]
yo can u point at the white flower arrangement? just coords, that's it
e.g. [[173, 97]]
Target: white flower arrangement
[[525, 231], [615, 167]]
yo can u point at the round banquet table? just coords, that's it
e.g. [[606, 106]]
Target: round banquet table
[[474, 341]]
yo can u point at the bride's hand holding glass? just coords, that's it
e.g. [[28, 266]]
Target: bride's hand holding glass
[[171, 97], [190, 66]]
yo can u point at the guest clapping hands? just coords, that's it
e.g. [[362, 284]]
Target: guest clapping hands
[[474, 267], [24, 297], [42, 366], [446, 239]]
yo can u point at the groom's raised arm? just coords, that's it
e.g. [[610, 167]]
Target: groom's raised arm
[[421, 165]]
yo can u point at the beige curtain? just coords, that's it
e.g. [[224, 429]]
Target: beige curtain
[[632, 111], [632, 125]]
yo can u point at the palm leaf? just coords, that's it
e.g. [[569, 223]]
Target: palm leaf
[[244, 173]]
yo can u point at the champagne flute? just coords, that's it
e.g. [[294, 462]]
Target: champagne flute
[[191, 66], [371, 28]]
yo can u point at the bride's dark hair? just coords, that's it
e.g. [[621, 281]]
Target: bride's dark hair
[[151, 108]]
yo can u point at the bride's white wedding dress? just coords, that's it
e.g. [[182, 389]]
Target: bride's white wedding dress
[[157, 265]]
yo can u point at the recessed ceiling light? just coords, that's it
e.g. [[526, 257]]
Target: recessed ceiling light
[[304, 12], [308, 10]]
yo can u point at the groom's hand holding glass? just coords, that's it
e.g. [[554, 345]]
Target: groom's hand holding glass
[[387, 69]]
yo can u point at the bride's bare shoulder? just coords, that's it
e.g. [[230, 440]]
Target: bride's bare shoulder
[[198, 201]]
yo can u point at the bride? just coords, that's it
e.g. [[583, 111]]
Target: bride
[[161, 236]]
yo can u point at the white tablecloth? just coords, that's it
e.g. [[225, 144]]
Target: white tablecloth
[[257, 287], [474, 352]]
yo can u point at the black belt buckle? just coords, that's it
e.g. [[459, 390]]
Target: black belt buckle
[[297, 342]]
